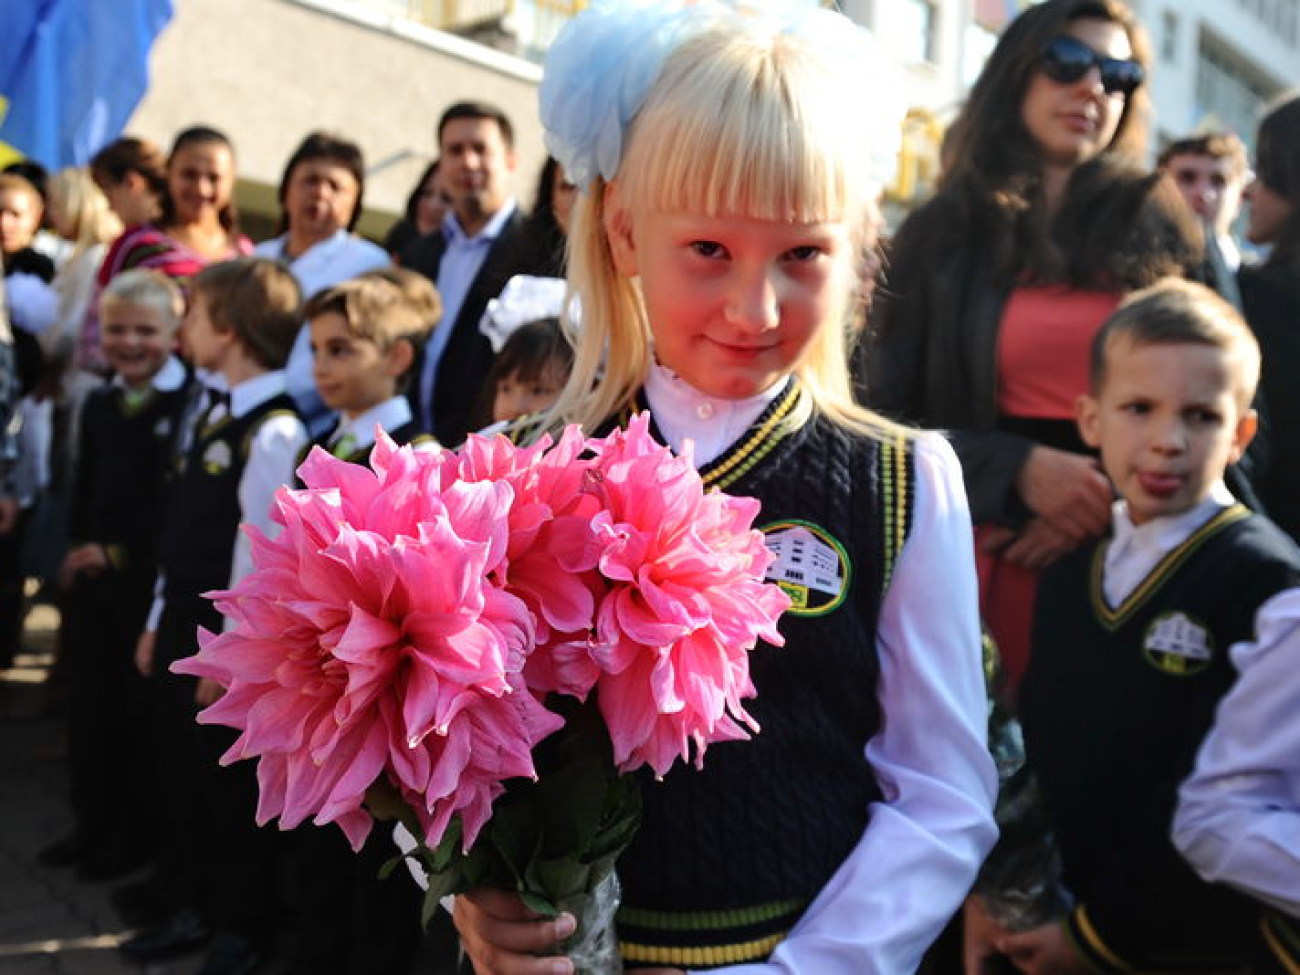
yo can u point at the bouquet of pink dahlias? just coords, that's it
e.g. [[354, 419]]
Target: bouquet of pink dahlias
[[411, 641]]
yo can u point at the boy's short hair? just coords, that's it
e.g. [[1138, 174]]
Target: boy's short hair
[[1216, 145], [256, 298], [1178, 312], [147, 288], [418, 289], [376, 310]]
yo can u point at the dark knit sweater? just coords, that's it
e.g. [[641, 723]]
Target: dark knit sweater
[[1115, 705], [768, 821]]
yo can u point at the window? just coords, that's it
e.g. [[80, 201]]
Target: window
[[918, 29]]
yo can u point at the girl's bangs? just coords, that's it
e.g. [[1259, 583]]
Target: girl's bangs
[[727, 136]]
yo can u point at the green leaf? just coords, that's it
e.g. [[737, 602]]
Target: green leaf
[[538, 904]]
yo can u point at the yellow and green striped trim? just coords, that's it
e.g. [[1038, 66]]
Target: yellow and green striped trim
[[1283, 941], [1112, 619], [893, 494], [703, 939], [755, 445], [1087, 942]]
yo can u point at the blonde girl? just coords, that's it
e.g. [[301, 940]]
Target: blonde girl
[[727, 193]]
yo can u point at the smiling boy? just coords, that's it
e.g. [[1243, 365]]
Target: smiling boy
[[128, 429], [1131, 638]]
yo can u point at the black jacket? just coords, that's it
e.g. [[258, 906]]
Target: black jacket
[[929, 357], [468, 356], [1270, 297]]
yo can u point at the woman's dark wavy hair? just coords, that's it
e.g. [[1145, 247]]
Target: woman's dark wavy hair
[[199, 135], [992, 168], [331, 148], [1277, 166], [544, 230], [417, 191], [110, 165]]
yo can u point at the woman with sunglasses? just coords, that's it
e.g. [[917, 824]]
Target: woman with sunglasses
[[993, 290]]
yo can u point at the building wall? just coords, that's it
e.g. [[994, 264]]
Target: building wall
[[267, 72], [1217, 61]]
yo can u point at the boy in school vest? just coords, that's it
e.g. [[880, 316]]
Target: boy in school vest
[[218, 868], [1131, 637], [128, 428]]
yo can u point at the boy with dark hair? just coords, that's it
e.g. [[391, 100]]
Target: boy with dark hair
[[1131, 638], [365, 334], [241, 323]]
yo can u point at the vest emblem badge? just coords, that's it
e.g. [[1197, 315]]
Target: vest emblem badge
[[217, 457], [1178, 645], [811, 566]]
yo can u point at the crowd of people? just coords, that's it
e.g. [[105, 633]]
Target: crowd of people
[[1060, 442]]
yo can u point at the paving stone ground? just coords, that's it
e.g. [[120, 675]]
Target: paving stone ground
[[50, 923]]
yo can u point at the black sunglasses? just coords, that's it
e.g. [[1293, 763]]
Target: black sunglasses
[[1067, 59]]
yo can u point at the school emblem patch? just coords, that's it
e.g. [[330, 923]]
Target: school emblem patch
[[811, 566], [1178, 645], [217, 457]]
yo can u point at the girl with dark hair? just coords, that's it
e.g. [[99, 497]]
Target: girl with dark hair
[[177, 221], [321, 191], [1270, 295], [993, 290]]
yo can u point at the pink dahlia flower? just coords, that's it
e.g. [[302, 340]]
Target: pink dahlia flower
[[685, 605], [372, 641]]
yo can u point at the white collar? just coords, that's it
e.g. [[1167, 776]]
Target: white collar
[[491, 230], [1168, 532], [684, 414], [252, 393], [388, 415], [168, 379]]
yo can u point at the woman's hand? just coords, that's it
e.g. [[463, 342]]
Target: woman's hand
[[1068, 490], [503, 937], [1044, 950], [981, 938], [1038, 545]]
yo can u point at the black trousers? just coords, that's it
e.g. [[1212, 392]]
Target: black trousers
[[108, 727]]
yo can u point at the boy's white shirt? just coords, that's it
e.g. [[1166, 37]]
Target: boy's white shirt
[[1135, 550], [272, 456], [925, 841], [389, 415], [168, 379]]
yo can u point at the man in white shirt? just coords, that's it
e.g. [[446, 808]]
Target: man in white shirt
[[481, 246]]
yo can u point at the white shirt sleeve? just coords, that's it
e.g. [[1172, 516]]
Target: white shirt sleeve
[[272, 457], [927, 837], [1238, 816]]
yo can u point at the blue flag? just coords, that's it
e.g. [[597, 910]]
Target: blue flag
[[72, 72]]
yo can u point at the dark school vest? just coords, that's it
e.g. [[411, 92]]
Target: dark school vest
[[729, 856], [1114, 707], [126, 458], [198, 542]]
